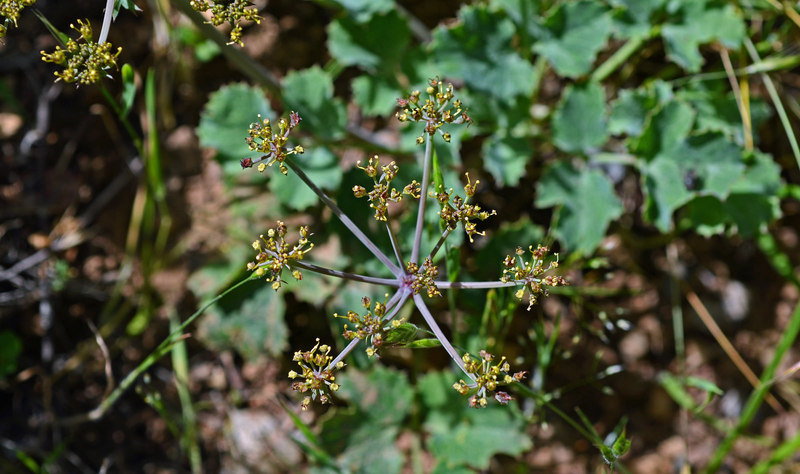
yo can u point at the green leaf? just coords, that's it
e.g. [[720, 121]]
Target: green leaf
[[478, 50], [376, 46], [587, 204], [382, 394], [635, 16], [365, 435], [363, 10], [461, 436], [663, 182], [665, 130], [629, 111], [423, 343], [249, 321], [128, 88], [574, 33], [505, 157], [321, 166], [375, 95], [309, 92], [10, 349], [403, 334], [579, 121], [126, 4], [621, 445], [708, 165], [226, 119], [701, 22], [717, 110]]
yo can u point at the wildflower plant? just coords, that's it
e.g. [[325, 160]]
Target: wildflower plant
[[233, 12], [413, 279], [9, 11], [84, 60]]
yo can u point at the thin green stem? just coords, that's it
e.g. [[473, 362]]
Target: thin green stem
[[788, 337], [163, 349], [776, 101], [619, 58], [787, 449]]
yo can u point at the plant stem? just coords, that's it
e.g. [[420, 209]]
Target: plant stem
[[396, 271], [437, 331], [618, 58], [423, 196], [345, 275], [757, 397], [439, 244], [107, 16], [395, 302], [395, 245], [477, 285], [163, 349], [776, 101]]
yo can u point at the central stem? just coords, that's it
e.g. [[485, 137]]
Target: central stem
[[423, 195]]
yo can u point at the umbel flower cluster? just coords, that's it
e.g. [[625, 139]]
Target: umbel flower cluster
[[9, 12], [85, 61], [414, 280], [233, 12]]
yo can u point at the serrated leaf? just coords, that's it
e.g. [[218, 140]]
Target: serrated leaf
[[717, 111], [573, 35], [226, 119], [664, 130], [126, 4], [363, 10], [709, 165], [635, 16], [629, 112], [701, 22], [505, 157], [376, 46], [309, 92], [478, 50], [382, 394], [249, 321], [579, 121], [462, 436], [587, 204], [365, 436], [321, 166], [375, 95], [663, 182]]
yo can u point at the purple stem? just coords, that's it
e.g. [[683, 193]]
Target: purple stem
[[394, 282], [478, 285], [437, 331]]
